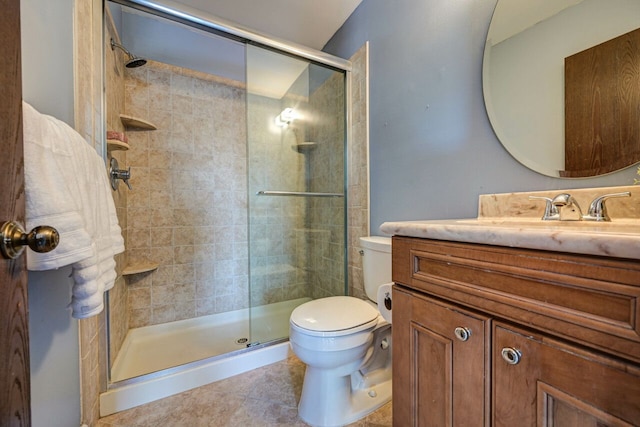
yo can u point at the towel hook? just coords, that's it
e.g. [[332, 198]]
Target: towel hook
[[115, 174]]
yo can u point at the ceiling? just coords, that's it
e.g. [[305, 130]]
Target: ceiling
[[515, 16], [308, 22]]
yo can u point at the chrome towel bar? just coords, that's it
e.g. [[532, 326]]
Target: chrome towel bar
[[298, 194]]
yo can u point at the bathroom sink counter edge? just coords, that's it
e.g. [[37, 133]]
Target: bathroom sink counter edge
[[513, 220], [612, 239]]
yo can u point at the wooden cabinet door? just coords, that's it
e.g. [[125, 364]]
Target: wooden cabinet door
[[439, 378], [555, 384]]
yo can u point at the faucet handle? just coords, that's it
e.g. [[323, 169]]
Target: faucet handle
[[598, 209], [550, 210], [115, 174]]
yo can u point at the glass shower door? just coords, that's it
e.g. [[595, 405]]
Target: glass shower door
[[296, 185]]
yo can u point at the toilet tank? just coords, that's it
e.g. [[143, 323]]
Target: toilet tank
[[376, 263]]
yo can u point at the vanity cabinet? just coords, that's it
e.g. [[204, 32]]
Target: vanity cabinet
[[438, 370], [486, 335], [553, 383]]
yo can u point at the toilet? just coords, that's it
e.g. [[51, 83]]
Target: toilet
[[346, 344]]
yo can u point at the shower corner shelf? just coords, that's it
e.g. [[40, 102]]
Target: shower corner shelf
[[136, 123], [114, 144], [142, 267]]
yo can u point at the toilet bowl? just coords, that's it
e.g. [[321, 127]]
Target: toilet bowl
[[346, 345]]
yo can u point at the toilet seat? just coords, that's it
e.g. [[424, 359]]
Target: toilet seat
[[334, 316]]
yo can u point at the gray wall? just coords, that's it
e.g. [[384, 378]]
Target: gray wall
[[47, 84], [47, 56], [432, 148]]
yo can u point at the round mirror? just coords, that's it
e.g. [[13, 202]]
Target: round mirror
[[561, 81]]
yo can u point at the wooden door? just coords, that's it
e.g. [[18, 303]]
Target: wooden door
[[14, 337], [439, 378], [555, 384], [602, 118]]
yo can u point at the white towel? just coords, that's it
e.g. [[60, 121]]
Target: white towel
[[66, 187]]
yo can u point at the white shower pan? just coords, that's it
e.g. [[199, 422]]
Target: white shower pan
[[162, 360]]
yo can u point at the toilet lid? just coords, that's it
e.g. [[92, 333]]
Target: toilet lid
[[333, 314]]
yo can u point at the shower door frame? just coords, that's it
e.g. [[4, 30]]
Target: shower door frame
[[212, 24]]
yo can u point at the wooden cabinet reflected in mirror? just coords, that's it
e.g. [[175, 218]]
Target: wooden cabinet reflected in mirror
[[602, 107]]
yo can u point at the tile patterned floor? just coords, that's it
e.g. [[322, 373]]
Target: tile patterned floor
[[264, 397]]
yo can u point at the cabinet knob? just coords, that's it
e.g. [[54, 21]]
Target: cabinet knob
[[462, 333], [511, 355]]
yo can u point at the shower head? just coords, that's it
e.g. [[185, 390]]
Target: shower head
[[133, 61]]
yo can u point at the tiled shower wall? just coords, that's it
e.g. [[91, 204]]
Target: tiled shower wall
[[188, 207], [358, 169], [326, 171], [297, 243], [88, 66], [114, 83], [319, 239], [277, 273], [187, 210]]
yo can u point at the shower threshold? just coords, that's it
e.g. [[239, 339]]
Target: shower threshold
[[139, 385], [164, 346], [159, 385]]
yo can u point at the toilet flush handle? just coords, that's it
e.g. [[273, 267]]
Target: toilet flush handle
[[387, 301]]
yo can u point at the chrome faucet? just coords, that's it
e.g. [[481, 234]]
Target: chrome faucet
[[568, 207], [564, 207]]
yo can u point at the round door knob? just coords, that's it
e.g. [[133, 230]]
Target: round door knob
[[13, 239]]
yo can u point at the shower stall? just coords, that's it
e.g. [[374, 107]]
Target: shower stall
[[236, 149]]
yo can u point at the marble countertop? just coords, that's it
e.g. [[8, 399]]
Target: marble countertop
[[613, 239], [525, 229]]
